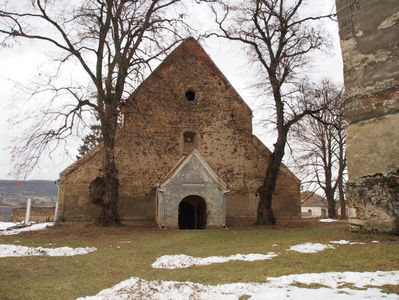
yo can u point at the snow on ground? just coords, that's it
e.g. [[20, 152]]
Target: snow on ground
[[275, 288], [337, 279], [33, 227], [327, 220], [7, 250], [5, 225], [345, 242], [310, 247], [185, 261]]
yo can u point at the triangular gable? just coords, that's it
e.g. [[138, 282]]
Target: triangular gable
[[191, 47], [309, 198], [186, 160]]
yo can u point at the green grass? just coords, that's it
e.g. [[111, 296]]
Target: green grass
[[129, 251]]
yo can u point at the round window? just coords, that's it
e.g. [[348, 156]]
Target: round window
[[190, 95]]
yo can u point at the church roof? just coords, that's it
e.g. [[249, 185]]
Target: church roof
[[186, 159], [311, 199]]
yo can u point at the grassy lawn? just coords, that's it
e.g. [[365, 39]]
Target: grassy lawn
[[130, 250]]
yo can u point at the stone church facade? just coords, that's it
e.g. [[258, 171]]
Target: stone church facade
[[185, 153]]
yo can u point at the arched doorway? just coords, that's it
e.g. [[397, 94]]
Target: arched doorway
[[192, 213]]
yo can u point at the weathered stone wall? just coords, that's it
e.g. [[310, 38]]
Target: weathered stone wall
[[151, 142], [376, 201], [37, 214], [6, 213], [369, 31], [373, 146]]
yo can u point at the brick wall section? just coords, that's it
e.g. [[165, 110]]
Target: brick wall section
[[370, 50], [151, 142], [37, 214]]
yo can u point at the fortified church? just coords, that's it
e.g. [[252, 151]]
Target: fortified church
[[185, 152]]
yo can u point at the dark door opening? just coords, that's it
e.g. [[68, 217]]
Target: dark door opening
[[192, 213]]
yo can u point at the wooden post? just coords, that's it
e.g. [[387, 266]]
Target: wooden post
[[27, 216]]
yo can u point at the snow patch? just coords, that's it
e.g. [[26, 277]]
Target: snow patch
[[33, 227], [5, 225], [337, 279], [275, 288], [185, 261], [327, 220], [310, 247], [7, 250], [345, 242]]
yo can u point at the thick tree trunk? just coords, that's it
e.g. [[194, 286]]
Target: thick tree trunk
[[265, 215], [331, 206], [109, 214], [342, 203], [329, 191]]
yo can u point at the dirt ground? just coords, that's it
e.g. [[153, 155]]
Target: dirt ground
[[89, 229], [284, 224]]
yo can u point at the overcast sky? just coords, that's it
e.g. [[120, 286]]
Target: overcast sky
[[21, 64]]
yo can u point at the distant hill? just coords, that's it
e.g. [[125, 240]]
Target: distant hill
[[35, 187], [16, 193]]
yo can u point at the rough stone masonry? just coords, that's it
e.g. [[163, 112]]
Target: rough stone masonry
[[369, 32], [185, 104]]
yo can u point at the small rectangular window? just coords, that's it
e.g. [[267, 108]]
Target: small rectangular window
[[190, 141]]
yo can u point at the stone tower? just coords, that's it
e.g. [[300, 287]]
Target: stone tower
[[369, 32]]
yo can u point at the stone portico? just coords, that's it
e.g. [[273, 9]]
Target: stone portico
[[191, 191]]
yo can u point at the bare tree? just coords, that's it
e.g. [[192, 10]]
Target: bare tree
[[113, 42], [278, 40], [319, 149]]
